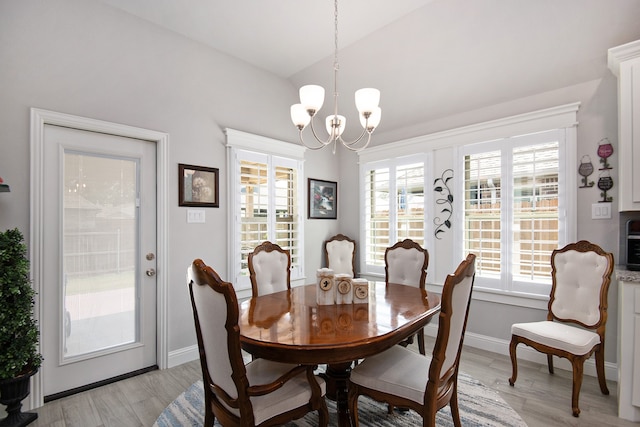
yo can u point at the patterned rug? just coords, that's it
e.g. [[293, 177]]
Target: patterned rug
[[479, 406]]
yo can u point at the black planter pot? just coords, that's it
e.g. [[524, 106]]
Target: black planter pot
[[12, 392]]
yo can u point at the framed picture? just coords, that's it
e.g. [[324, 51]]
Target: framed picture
[[323, 199], [198, 186]]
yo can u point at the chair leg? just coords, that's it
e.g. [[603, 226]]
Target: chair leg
[[352, 402], [453, 402], [323, 416], [600, 370], [550, 363], [514, 362], [421, 347], [209, 417], [578, 370]]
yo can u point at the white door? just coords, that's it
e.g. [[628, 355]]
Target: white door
[[99, 285]]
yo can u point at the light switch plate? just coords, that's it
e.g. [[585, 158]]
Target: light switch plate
[[195, 216], [601, 211]]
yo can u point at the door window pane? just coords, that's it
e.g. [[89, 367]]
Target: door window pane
[[99, 253]]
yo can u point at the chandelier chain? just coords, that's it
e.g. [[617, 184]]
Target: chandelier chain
[[336, 66]]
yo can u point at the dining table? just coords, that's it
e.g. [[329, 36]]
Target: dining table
[[290, 326]]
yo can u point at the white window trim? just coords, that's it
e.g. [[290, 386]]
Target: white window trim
[[559, 117], [238, 140]]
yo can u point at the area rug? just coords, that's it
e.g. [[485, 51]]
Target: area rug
[[479, 406]]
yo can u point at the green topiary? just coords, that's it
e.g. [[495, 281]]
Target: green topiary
[[18, 329]]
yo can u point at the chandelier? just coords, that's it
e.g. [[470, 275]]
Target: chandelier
[[312, 98]]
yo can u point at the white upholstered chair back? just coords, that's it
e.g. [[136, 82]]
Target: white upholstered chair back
[[212, 315], [269, 269], [579, 277], [406, 264], [462, 283], [340, 252]]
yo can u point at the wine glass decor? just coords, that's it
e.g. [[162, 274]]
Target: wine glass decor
[[585, 169], [605, 150], [605, 183]]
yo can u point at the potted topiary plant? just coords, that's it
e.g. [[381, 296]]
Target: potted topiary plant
[[19, 356]]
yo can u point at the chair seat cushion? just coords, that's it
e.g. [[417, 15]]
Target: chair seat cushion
[[294, 393], [396, 371], [558, 335]]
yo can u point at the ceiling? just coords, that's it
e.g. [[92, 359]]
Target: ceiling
[[430, 58], [281, 36]]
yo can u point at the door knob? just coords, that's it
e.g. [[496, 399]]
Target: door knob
[[151, 272]]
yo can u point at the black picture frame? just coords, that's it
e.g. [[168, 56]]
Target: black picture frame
[[322, 198], [198, 186]]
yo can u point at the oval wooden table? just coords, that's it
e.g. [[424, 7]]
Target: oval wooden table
[[290, 327]]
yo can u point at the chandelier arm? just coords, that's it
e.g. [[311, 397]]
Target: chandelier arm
[[315, 134], [350, 144], [309, 146], [355, 141]]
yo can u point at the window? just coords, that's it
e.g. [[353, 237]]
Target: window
[[513, 213], [266, 197], [514, 200], [394, 207]]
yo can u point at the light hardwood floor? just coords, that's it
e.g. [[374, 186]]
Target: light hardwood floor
[[542, 400]]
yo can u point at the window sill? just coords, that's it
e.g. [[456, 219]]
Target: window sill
[[518, 299]]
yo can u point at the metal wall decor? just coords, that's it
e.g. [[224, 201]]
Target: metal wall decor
[[446, 199], [605, 150], [605, 183], [585, 169]]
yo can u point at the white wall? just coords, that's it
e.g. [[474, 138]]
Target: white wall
[[87, 59]]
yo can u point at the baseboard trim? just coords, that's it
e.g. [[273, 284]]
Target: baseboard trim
[[183, 355], [482, 342], [500, 346]]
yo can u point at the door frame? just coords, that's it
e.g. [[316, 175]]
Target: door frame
[[40, 118]]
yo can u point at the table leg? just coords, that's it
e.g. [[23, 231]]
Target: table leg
[[337, 379]]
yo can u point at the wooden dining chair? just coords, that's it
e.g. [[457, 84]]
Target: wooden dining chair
[[269, 269], [577, 314], [404, 378], [261, 393], [340, 252], [406, 263]]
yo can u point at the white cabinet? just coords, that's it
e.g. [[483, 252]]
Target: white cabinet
[[624, 62], [629, 345]]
